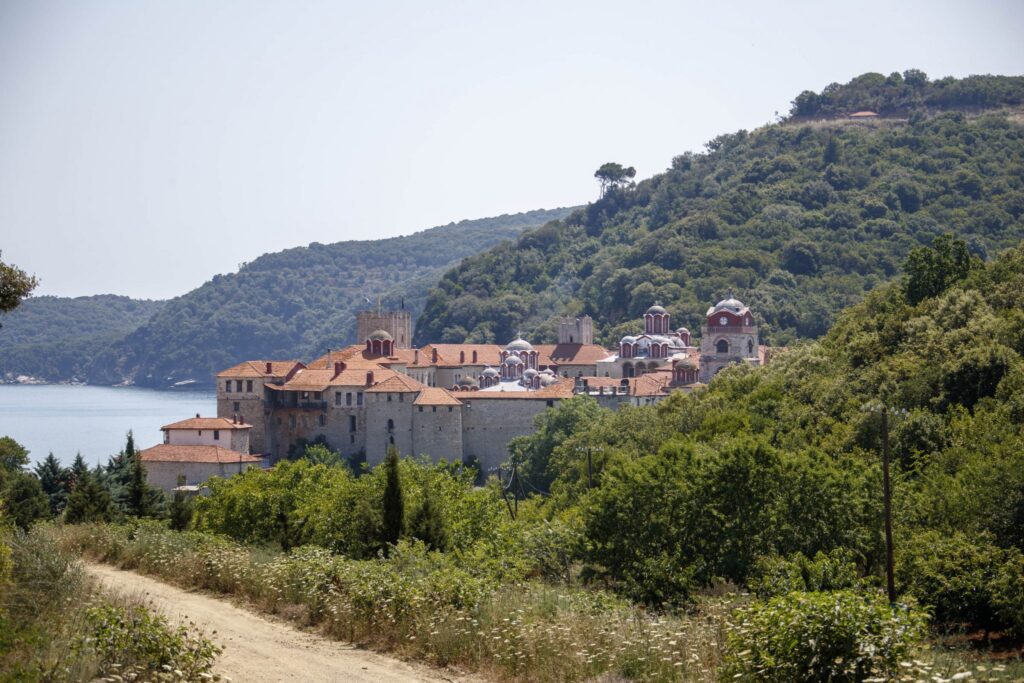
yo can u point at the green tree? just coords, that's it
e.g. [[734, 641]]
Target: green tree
[[13, 456], [89, 501], [428, 523], [532, 454], [138, 489], [612, 175], [54, 480], [24, 500], [15, 285], [931, 270], [393, 501], [180, 512]]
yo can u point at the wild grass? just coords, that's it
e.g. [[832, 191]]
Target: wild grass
[[418, 605], [57, 626]]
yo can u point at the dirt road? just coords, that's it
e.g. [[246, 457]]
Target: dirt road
[[257, 650]]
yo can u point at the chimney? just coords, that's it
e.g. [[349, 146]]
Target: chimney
[[416, 357], [197, 414], [433, 355], [339, 367], [369, 378], [270, 368]]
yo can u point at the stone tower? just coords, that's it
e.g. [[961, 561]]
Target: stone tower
[[728, 335], [396, 323], [576, 331]]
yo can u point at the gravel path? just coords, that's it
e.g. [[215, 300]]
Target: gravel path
[[259, 650]]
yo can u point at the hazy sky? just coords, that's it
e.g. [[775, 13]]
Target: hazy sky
[[146, 146]]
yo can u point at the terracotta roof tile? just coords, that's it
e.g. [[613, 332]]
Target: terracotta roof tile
[[207, 423], [258, 368], [436, 396], [206, 454], [571, 354], [397, 383]]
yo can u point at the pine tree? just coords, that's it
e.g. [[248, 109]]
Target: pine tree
[[393, 502], [88, 502], [78, 470], [429, 523], [55, 480], [24, 500], [181, 508]]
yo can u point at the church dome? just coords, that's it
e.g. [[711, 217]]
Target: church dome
[[658, 339], [547, 379], [513, 360], [489, 372], [628, 340], [519, 344], [731, 304], [381, 335], [682, 330], [468, 382], [530, 372], [656, 309]]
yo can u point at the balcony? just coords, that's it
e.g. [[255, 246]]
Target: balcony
[[312, 405]]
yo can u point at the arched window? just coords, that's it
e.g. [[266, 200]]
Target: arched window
[[722, 346], [750, 347], [391, 425], [640, 369], [627, 370]]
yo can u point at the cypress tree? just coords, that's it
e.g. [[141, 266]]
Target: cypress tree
[[394, 504], [137, 489], [429, 524], [78, 470], [181, 508]]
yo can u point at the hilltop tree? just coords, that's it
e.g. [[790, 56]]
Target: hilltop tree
[[393, 501], [78, 470], [138, 490], [612, 175]]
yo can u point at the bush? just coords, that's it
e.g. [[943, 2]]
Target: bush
[[834, 636], [134, 640], [775, 575]]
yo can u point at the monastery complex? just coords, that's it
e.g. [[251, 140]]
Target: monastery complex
[[457, 402]]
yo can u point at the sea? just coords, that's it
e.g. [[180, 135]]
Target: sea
[[92, 420]]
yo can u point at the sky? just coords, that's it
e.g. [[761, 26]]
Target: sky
[[147, 146]]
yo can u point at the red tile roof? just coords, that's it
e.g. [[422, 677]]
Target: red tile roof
[[436, 396], [571, 354], [200, 454], [397, 383], [258, 368], [207, 423]]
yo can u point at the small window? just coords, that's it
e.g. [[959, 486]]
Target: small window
[[359, 398], [323, 419], [551, 404], [216, 435], [238, 385], [318, 396], [433, 409], [421, 409], [200, 432], [348, 398], [449, 409], [248, 385], [391, 439], [352, 423], [391, 425], [389, 397], [401, 398], [337, 398], [237, 406], [722, 346], [227, 386], [352, 438]]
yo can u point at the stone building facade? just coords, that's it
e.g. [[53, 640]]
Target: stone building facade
[[398, 324], [197, 449], [465, 402]]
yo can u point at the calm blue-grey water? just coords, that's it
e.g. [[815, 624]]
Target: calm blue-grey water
[[93, 420]]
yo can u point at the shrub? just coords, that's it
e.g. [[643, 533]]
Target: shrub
[[833, 636], [775, 575]]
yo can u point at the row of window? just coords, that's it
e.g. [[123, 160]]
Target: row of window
[[238, 386], [348, 398]]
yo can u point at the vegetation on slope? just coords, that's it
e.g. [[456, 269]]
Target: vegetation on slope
[[290, 304], [799, 219], [55, 338]]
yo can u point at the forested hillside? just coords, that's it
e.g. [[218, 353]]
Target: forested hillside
[[295, 303], [57, 338], [799, 218]]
